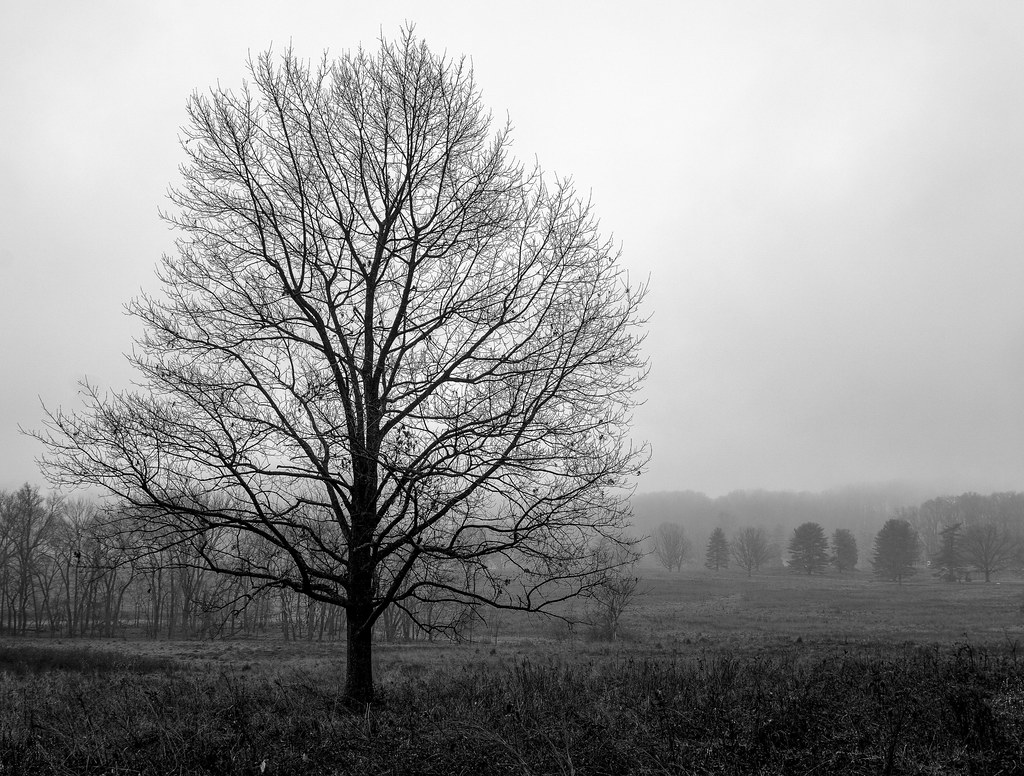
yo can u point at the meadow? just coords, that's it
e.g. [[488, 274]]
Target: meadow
[[713, 674]]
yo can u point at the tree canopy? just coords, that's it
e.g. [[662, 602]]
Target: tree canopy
[[808, 549], [387, 362], [844, 550], [897, 549], [717, 554]]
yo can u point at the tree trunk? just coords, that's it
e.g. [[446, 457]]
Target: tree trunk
[[361, 572], [359, 666]]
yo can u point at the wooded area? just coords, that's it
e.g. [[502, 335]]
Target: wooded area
[[65, 569]]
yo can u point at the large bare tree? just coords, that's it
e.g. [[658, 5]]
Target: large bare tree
[[391, 362]]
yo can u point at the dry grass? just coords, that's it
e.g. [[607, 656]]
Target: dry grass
[[718, 675], [849, 607], [908, 710]]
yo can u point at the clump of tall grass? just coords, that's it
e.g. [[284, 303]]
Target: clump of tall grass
[[910, 710]]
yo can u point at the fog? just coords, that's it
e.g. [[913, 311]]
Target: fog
[[826, 199]]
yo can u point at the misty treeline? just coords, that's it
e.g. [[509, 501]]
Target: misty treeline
[[970, 533], [752, 547], [66, 569], [861, 510], [752, 530], [954, 537]]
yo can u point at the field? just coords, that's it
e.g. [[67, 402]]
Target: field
[[714, 673], [836, 609]]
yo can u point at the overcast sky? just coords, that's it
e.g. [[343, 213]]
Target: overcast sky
[[828, 199]]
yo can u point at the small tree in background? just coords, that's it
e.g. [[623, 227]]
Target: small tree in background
[[717, 555], [27, 519], [949, 561], [989, 548], [618, 588], [776, 544], [897, 549], [751, 548], [844, 550], [808, 549], [670, 545]]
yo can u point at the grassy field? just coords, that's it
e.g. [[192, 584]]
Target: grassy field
[[857, 607], [714, 674]]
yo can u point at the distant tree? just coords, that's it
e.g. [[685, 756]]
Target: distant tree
[[717, 555], [989, 548], [670, 545], [929, 519], [897, 549], [776, 545], [949, 560], [618, 588], [751, 549], [844, 550], [27, 518], [808, 549]]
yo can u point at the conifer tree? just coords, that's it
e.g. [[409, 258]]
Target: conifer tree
[[897, 548], [808, 549], [717, 556], [948, 561], [844, 550]]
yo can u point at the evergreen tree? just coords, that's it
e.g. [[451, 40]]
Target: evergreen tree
[[844, 550], [897, 548], [808, 549], [948, 561], [717, 556]]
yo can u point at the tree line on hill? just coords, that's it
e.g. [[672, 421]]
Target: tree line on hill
[[752, 548], [65, 569], [955, 536], [970, 533], [861, 509]]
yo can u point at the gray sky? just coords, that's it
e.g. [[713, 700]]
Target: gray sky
[[828, 199]]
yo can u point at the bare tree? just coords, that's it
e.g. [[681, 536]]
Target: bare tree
[[617, 589], [751, 549], [27, 518], [7, 563], [989, 548], [670, 545], [381, 346], [75, 580]]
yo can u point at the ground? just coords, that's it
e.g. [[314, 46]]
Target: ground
[[714, 673]]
